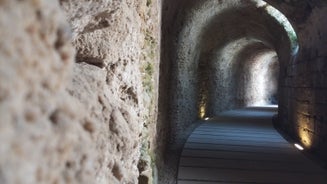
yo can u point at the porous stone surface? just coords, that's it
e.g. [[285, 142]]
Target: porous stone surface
[[79, 82], [41, 136], [117, 48], [78, 91]]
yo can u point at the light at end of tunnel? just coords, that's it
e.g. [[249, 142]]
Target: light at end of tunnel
[[206, 118], [298, 146]]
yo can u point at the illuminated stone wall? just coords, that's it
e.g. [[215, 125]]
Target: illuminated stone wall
[[303, 99]]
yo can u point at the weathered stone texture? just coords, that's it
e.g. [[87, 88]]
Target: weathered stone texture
[[120, 39], [303, 106], [79, 82], [41, 138], [87, 117]]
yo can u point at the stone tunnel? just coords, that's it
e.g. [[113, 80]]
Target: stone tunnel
[[110, 91]]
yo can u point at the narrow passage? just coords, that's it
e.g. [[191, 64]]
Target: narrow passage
[[242, 146]]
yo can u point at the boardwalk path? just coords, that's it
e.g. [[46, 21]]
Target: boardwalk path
[[242, 146]]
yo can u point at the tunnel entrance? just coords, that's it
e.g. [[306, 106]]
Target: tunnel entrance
[[228, 55], [257, 84], [239, 61], [250, 72]]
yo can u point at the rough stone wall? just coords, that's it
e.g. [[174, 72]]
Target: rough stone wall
[[87, 117], [42, 136], [303, 104]]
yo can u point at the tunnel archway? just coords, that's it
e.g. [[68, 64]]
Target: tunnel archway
[[207, 32], [194, 46], [256, 73]]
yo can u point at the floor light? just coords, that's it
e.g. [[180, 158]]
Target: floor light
[[299, 147]]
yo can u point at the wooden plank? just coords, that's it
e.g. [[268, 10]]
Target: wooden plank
[[234, 175], [240, 148], [239, 142], [247, 139], [232, 134], [243, 147], [239, 155], [209, 182], [241, 125], [251, 165], [219, 130], [240, 137]]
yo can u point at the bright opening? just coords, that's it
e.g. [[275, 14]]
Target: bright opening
[[261, 88]]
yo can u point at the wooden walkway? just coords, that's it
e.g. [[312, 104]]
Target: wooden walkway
[[242, 146]]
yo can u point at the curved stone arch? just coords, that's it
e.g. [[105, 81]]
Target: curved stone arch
[[197, 16], [220, 75], [227, 88], [259, 84]]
